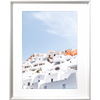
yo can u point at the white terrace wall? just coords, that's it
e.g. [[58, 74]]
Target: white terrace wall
[[70, 83]]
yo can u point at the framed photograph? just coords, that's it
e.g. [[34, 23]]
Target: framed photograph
[[50, 50]]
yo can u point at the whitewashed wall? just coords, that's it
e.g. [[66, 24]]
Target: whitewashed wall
[[71, 83]]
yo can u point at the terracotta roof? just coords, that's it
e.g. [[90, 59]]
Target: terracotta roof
[[72, 52]]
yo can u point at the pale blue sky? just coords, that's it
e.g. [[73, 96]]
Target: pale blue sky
[[44, 31]]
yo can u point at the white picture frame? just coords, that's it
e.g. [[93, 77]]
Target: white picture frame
[[13, 6]]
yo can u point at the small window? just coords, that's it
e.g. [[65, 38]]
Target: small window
[[56, 63], [49, 55], [51, 62], [43, 63], [49, 73], [35, 65], [44, 59], [38, 80], [32, 83], [27, 66], [28, 83], [51, 69], [23, 71], [64, 86], [76, 68], [32, 61], [62, 62], [52, 80], [57, 68], [31, 88], [40, 69], [45, 87], [70, 61], [40, 64], [32, 69], [54, 54]]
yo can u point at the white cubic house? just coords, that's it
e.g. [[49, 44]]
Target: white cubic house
[[43, 72]]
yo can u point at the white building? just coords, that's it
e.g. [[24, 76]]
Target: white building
[[53, 53], [41, 74], [51, 82]]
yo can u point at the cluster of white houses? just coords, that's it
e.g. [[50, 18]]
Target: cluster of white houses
[[52, 70]]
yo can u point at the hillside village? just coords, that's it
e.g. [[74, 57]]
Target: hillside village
[[51, 70]]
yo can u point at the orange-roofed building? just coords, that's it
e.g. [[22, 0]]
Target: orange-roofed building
[[27, 59], [75, 52], [33, 55], [72, 52], [69, 52], [51, 51], [38, 54]]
